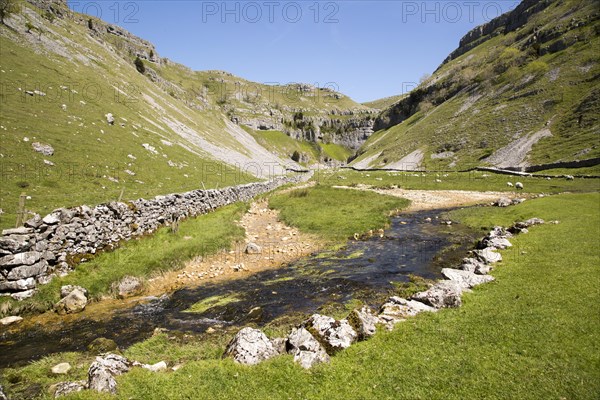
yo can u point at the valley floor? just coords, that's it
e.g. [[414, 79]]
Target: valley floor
[[532, 334]]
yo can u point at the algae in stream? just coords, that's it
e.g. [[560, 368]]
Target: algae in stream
[[213, 301]]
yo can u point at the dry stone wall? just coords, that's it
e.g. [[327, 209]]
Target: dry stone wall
[[45, 247]]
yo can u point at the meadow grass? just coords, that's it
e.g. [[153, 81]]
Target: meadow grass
[[335, 214], [143, 257], [474, 180], [531, 334]]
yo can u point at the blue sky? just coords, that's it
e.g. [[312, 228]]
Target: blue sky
[[367, 49]]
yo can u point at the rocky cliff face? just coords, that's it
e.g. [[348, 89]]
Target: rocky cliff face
[[126, 43], [503, 24], [537, 40]]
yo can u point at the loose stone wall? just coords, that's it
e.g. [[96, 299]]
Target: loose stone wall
[[49, 246]]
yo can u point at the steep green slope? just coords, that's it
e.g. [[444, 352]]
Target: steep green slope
[[521, 90], [58, 85], [62, 73], [382, 104]]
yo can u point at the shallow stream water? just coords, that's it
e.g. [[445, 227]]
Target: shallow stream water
[[362, 270]]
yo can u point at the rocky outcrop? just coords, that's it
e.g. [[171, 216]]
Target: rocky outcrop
[[250, 346], [363, 322], [503, 24], [102, 372], [333, 335], [444, 294], [72, 303], [44, 247], [348, 128], [307, 350]]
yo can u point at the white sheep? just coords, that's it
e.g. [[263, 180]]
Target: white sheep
[[519, 185], [509, 184]]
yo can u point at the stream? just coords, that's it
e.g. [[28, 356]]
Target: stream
[[362, 270]]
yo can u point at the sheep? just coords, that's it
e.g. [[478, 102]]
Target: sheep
[[519, 185], [509, 184], [569, 177]]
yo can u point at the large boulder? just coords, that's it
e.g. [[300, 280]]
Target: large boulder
[[488, 256], [466, 279], [306, 349], [498, 243], [444, 294], [250, 346], [474, 265], [74, 302], [66, 290], [102, 372], [129, 286], [397, 309], [363, 322], [333, 335]]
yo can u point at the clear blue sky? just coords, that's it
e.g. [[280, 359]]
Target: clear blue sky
[[368, 49]]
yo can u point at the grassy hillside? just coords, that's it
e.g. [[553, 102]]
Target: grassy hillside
[[59, 81], [538, 84], [381, 104], [312, 152]]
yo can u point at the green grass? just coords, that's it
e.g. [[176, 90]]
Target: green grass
[[531, 334], [335, 214], [595, 171], [87, 150], [336, 151], [475, 180], [143, 257], [382, 104], [283, 145]]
